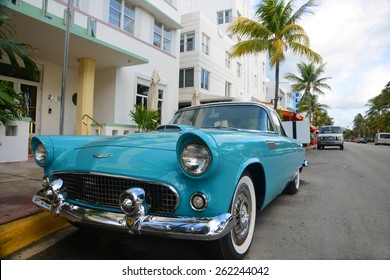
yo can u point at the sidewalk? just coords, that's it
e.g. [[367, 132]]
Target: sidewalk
[[21, 222]]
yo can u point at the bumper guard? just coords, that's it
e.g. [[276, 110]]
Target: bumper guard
[[177, 227]]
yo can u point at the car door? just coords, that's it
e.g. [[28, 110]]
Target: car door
[[285, 151]]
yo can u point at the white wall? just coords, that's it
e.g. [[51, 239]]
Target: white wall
[[104, 95], [299, 129], [51, 85], [15, 147]]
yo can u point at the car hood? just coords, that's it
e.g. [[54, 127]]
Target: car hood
[[142, 154], [153, 140]]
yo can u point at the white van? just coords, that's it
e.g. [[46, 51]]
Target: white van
[[382, 138], [330, 136]]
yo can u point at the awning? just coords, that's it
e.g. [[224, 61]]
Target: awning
[[287, 114], [313, 128], [291, 116]]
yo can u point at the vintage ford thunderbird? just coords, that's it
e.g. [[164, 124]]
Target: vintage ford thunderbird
[[203, 176]]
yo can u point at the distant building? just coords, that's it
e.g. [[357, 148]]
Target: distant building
[[114, 47], [205, 64]]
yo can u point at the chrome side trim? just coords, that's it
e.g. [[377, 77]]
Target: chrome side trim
[[210, 228]]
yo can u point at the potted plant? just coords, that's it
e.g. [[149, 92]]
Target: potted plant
[[146, 120]]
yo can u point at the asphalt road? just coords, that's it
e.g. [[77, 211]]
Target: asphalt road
[[341, 212]]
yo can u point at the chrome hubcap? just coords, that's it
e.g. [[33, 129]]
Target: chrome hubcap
[[241, 211]]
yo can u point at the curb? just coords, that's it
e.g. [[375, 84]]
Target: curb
[[18, 234], [310, 147]]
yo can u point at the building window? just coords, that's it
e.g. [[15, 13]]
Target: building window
[[227, 60], [204, 79], [228, 89], [205, 44], [224, 16], [239, 69], [142, 97], [186, 78], [11, 130], [162, 37], [122, 15], [92, 25], [187, 42]]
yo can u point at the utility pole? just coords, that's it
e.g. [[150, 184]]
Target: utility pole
[[68, 22]]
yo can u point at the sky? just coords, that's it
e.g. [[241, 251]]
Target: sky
[[353, 39]]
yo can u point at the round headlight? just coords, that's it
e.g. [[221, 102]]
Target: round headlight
[[40, 154], [195, 158]]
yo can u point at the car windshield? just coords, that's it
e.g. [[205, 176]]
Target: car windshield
[[330, 129], [384, 135], [233, 117]]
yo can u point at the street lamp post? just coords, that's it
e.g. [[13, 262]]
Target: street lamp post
[[68, 22]]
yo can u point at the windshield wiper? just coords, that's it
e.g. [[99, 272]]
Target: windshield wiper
[[221, 127]]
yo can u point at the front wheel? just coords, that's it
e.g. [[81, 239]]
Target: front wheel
[[235, 245]]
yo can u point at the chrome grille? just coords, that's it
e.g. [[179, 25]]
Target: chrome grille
[[329, 138], [104, 191]]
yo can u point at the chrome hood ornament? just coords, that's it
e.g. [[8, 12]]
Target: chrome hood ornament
[[101, 155]]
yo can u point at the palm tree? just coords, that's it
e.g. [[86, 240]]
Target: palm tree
[[359, 123], [379, 109], [275, 32], [309, 81], [16, 51], [312, 106], [322, 118], [12, 103]]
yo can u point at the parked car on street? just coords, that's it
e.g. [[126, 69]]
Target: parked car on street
[[382, 138], [203, 176], [330, 136], [362, 140]]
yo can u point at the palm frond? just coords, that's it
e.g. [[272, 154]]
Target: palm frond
[[16, 51]]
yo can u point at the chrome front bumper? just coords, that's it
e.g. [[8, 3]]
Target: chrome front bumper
[[177, 227]]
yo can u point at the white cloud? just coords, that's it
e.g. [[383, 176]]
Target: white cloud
[[353, 37]]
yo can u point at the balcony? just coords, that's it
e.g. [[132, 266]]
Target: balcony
[[41, 24]]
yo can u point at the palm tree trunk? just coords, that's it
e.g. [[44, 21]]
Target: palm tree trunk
[[276, 98]]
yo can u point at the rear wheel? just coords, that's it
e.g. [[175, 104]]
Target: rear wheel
[[235, 245], [293, 186]]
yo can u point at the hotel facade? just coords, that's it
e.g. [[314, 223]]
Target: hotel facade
[[114, 48]]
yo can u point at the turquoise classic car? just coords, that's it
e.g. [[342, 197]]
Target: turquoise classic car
[[203, 176]]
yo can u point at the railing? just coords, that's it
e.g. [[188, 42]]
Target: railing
[[30, 132], [88, 117]]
